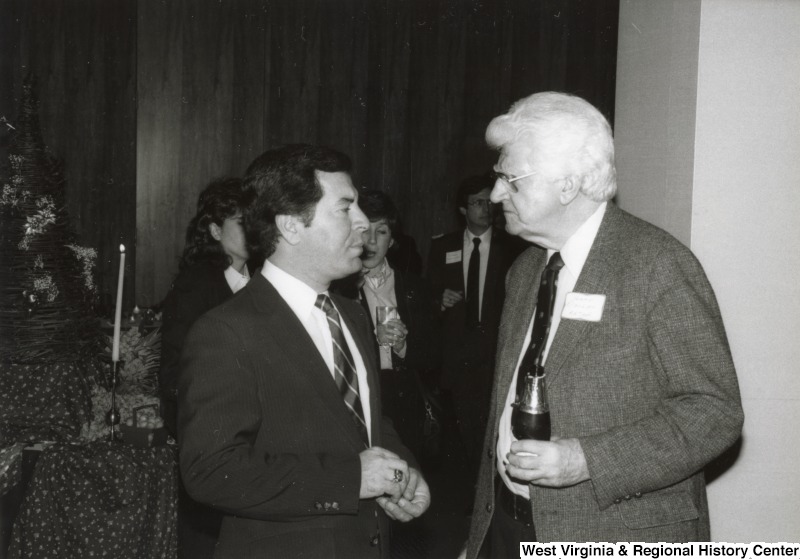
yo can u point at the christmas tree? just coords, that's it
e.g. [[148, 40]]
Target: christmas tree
[[47, 290]]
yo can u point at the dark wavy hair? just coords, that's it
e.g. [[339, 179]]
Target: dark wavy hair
[[222, 198], [283, 181]]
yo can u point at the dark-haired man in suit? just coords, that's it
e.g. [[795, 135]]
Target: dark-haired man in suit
[[641, 385], [466, 270], [279, 419]]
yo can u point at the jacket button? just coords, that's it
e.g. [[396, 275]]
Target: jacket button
[[318, 505], [327, 506], [490, 453], [335, 505], [638, 494], [374, 541], [627, 497], [489, 507], [617, 501]]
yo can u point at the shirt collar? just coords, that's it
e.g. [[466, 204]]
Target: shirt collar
[[576, 250], [381, 277], [485, 237], [300, 297], [235, 279]]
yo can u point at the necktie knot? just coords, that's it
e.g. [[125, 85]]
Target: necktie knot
[[556, 262], [476, 242], [325, 304]]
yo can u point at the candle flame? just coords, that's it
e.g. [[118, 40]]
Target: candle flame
[[122, 248]]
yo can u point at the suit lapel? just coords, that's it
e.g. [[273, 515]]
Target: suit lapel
[[306, 362], [595, 279], [492, 276]]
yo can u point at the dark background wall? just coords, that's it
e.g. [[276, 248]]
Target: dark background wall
[[147, 100]]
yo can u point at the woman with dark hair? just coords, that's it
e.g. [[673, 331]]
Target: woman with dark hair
[[212, 268], [407, 364]]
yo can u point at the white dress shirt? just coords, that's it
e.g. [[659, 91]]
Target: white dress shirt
[[237, 280], [574, 253], [469, 246], [302, 300]]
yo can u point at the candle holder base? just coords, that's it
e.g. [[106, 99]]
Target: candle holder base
[[113, 416]]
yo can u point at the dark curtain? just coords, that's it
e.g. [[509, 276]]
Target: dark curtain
[[147, 101]]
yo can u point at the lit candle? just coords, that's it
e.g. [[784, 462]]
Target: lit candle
[[118, 312]]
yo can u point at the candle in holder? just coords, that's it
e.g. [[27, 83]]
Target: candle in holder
[[118, 312]]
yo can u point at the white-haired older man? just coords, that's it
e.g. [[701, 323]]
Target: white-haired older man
[[641, 386]]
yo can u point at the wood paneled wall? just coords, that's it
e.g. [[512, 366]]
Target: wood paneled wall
[[405, 87]]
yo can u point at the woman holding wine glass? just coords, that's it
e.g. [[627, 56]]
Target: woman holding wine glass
[[400, 306]]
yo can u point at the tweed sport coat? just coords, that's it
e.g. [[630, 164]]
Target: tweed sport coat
[[266, 438], [650, 391]]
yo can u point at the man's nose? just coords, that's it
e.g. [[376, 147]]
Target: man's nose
[[360, 221], [499, 192]]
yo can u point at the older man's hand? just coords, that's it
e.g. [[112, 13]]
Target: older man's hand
[[415, 499], [556, 463]]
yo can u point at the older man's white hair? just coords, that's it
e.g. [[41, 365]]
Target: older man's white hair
[[570, 137]]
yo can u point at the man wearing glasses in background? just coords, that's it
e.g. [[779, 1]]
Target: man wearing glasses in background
[[641, 386], [466, 270]]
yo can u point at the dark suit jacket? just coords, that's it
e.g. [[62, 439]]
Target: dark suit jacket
[[464, 350], [196, 290], [405, 387], [266, 437], [650, 391]]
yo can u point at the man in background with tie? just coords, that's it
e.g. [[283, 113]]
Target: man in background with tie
[[466, 270], [641, 386], [279, 420]]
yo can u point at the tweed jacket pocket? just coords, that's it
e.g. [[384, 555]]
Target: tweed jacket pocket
[[658, 509]]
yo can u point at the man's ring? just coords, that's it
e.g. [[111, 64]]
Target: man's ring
[[398, 476]]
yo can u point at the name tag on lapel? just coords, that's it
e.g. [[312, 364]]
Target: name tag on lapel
[[452, 257], [584, 306]]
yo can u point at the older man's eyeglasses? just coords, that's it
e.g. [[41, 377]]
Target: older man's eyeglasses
[[509, 180]]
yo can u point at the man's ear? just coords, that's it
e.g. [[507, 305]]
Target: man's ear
[[570, 187], [289, 228], [463, 211], [216, 231]]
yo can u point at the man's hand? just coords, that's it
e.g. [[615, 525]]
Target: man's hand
[[450, 298], [379, 469], [415, 499], [556, 463]]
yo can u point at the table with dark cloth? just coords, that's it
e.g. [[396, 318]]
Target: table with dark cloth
[[42, 402], [102, 499]]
